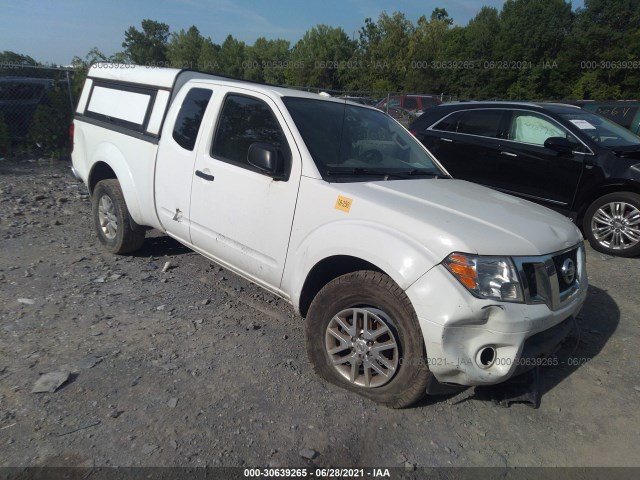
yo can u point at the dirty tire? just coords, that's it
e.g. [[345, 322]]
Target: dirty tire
[[117, 232], [373, 296], [612, 224]]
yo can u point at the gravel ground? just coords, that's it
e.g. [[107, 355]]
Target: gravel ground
[[195, 366]]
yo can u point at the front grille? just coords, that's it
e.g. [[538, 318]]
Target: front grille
[[559, 261], [543, 278]]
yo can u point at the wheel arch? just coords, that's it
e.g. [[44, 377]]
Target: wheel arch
[[602, 190], [326, 270], [100, 171], [319, 258], [109, 162]]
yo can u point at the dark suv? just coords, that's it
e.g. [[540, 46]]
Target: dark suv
[[560, 156]]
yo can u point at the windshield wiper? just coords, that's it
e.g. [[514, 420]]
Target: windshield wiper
[[418, 172], [344, 172], [359, 171]]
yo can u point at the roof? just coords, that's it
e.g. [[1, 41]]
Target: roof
[[173, 79], [433, 114]]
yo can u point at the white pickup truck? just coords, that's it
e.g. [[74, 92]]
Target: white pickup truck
[[408, 279]]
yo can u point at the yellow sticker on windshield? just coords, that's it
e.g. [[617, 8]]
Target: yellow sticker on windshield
[[343, 203]]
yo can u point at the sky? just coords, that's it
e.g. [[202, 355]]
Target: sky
[[54, 31]]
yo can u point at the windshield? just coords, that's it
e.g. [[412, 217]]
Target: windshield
[[603, 132], [351, 143]]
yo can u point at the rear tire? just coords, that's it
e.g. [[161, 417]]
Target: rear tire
[[363, 334], [116, 230], [612, 224]]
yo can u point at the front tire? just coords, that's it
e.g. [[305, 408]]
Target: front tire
[[117, 232], [612, 224], [363, 334]]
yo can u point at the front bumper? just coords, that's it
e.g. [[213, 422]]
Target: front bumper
[[457, 327]]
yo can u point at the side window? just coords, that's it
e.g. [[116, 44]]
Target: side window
[[410, 103], [448, 123], [244, 121], [530, 127], [428, 102], [185, 131], [485, 123], [394, 102]]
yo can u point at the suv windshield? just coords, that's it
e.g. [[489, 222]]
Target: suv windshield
[[351, 143], [602, 131]]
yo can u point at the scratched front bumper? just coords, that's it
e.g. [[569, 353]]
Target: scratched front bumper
[[456, 326]]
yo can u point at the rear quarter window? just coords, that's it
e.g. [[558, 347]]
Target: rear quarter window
[[448, 123], [189, 119], [484, 123]]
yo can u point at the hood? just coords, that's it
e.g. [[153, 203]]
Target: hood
[[456, 215]]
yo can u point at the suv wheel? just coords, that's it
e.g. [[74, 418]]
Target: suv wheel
[[363, 334], [612, 224]]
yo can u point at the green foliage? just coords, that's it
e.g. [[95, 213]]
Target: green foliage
[[427, 45], [49, 129], [149, 46], [231, 57], [185, 48], [8, 57], [267, 61], [208, 59], [605, 35], [321, 58], [528, 50], [383, 51]]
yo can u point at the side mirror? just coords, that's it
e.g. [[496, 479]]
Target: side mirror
[[560, 144], [265, 158]]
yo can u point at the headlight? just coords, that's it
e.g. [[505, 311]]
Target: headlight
[[486, 277]]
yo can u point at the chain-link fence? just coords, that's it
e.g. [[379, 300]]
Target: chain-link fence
[[36, 109]]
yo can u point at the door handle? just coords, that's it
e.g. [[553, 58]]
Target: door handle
[[204, 176], [508, 154], [446, 140]]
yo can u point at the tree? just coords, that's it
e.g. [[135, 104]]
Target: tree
[[605, 36], [383, 52], [149, 46], [441, 15], [531, 32], [469, 48], [231, 57], [8, 57], [321, 58], [267, 60], [426, 59], [208, 59], [49, 129], [185, 48]]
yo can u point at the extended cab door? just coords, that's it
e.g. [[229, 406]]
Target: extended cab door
[[176, 159], [241, 216]]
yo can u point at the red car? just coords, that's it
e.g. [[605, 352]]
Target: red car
[[412, 103]]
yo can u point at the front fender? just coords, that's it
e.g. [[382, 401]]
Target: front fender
[[397, 255]]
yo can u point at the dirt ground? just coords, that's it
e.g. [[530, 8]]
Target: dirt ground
[[196, 366]]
